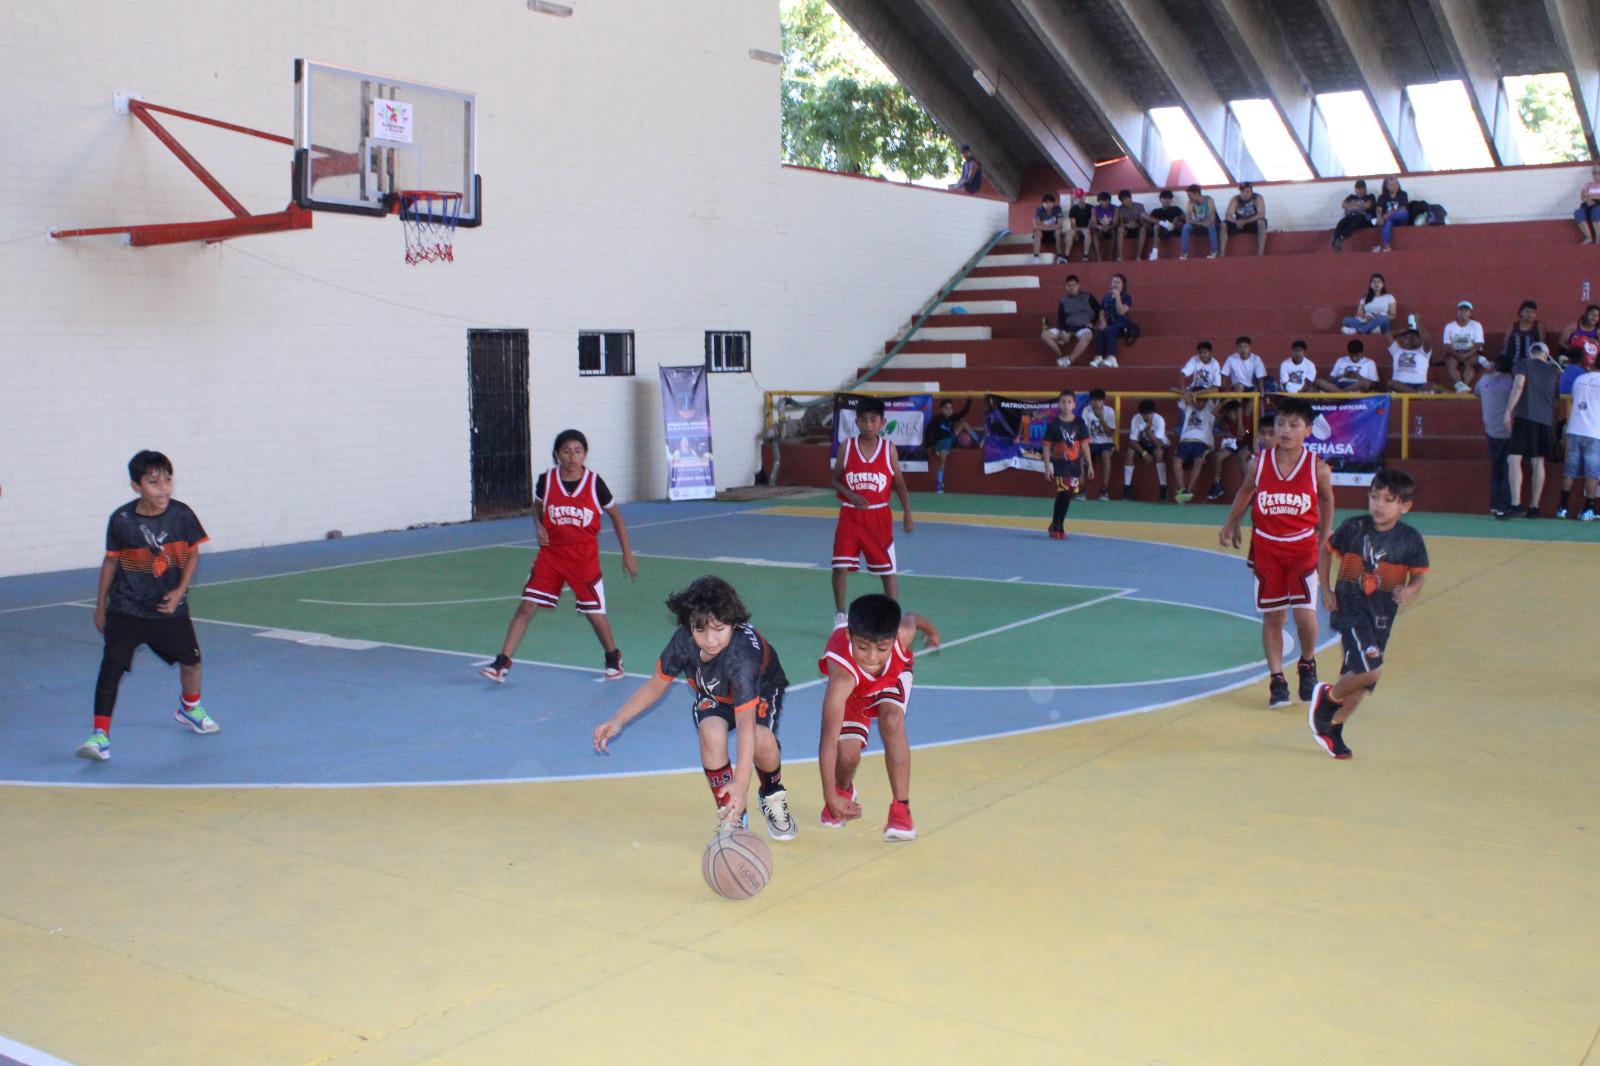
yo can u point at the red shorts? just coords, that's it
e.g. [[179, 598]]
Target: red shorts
[[1286, 572], [867, 533], [551, 570], [859, 711]]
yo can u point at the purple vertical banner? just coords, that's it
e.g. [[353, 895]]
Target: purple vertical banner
[[1350, 436], [686, 422]]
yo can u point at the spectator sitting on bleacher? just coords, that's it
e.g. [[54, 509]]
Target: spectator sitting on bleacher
[[1411, 356], [1165, 221], [1233, 443], [1358, 208], [971, 179], [1494, 395], [1521, 334], [1297, 373], [1200, 214], [1353, 372], [1113, 320], [1531, 416], [1081, 216], [1101, 418], [1585, 329], [1393, 210], [1373, 311], [1049, 218], [1147, 443], [1244, 369], [1247, 213], [1201, 374], [1075, 317], [1104, 225], [1197, 416], [1463, 346], [1132, 221], [1588, 211]]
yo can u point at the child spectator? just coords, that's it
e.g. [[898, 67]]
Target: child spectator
[[1048, 218], [1494, 394], [1076, 315], [1066, 459], [1132, 221], [1165, 221], [1393, 210], [1233, 443], [1147, 443], [1244, 369], [1202, 373], [1353, 372], [1530, 419], [1297, 373], [1374, 310], [1522, 333], [971, 179], [1412, 357], [1358, 208], [1588, 206], [1382, 563], [152, 553], [1463, 346], [1101, 418], [1114, 318], [1200, 214], [1198, 417], [1583, 444], [1080, 217], [866, 469], [1247, 213], [1104, 225], [943, 428]]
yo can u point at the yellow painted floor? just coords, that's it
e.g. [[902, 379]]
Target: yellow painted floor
[[1198, 885]]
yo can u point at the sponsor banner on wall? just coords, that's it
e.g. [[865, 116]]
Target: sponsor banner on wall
[[686, 421], [1014, 433], [906, 421], [1350, 436]]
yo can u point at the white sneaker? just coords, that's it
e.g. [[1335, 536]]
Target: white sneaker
[[840, 619], [775, 809], [1155, 253], [1588, 515], [1096, 361], [1109, 361], [1462, 386], [1033, 259], [1348, 331], [1213, 255], [1064, 361]]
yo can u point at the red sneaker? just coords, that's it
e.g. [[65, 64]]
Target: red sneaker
[[899, 826], [828, 821]]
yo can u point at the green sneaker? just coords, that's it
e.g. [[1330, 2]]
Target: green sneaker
[[1183, 496], [196, 718], [97, 747]]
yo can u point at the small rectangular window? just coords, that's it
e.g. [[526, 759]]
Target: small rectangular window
[[605, 353], [728, 352]]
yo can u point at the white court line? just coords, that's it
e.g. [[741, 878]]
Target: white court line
[[410, 603], [42, 606], [11, 1051]]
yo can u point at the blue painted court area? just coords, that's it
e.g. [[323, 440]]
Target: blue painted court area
[[380, 686]]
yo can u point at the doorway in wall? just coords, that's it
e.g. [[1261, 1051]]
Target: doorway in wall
[[497, 368]]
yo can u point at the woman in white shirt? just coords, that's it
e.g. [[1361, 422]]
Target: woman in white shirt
[[1374, 310], [1588, 211]]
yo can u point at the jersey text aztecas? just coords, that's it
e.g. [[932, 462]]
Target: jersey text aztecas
[[1285, 505], [868, 478]]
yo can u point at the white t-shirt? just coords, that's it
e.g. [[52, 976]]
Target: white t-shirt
[[1379, 305], [1101, 430], [1469, 335], [1296, 377], [1198, 422], [1410, 364], [1363, 367], [1155, 428], [1244, 373], [1585, 420], [1203, 375]]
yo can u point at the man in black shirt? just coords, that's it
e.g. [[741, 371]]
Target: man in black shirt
[[1165, 221], [1049, 218], [1081, 216]]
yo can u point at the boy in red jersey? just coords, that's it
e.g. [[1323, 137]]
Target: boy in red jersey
[[568, 499], [1290, 494], [866, 468], [868, 666]]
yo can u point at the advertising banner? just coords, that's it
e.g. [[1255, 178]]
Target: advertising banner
[[905, 425], [1350, 436], [1014, 433], [686, 422]]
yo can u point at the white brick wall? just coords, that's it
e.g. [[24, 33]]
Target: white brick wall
[[629, 156]]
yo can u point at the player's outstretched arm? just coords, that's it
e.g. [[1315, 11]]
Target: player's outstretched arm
[[912, 623], [900, 489], [840, 685], [1228, 536], [630, 566], [642, 700]]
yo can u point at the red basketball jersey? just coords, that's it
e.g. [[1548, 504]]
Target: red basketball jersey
[[1285, 505], [871, 478], [572, 519], [838, 652]]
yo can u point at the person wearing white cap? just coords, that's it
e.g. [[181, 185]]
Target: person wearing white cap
[[1463, 347]]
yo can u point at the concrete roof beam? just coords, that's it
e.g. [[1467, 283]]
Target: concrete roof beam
[[1468, 42], [1385, 90], [1259, 45]]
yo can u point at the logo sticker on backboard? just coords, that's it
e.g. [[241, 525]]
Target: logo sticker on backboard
[[391, 121]]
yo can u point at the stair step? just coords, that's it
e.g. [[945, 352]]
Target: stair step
[[929, 361], [954, 308], [952, 333], [998, 281]]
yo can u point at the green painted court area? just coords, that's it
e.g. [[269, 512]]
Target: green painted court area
[[998, 633]]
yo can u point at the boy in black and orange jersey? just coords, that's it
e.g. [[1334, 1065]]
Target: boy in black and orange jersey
[[1382, 563], [1066, 459], [152, 550]]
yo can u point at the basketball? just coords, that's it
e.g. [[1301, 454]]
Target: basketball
[[737, 863]]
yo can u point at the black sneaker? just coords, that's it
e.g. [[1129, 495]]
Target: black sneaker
[[614, 665], [1320, 717], [1279, 694], [1216, 491], [1499, 514], [1532, 512], [1162, 495], [497, 670], [1308, 680], [1341, 750]]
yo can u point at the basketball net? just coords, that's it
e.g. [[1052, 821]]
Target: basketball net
[[429, 220]]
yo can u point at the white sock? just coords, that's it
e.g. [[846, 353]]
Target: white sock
[[1127, 476], [1161, 472]]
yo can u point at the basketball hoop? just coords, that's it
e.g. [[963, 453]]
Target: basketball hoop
[[429, 220]]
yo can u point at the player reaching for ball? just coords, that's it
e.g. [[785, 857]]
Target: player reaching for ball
[[868, 666], [738, 686]]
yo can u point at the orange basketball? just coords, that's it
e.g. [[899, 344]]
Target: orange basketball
[[737, 863]]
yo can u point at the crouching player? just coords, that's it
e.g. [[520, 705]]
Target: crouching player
[[1382, 564], [868, 665], [738, 686]]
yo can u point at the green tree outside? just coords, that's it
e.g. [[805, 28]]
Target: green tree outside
[[1545, 107]]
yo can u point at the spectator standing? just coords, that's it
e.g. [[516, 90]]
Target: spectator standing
[[1049, 218], [971, 179], [1530, 419], [1101, 419], [1463, 346], [1583, 443], [1200, 214], [1494, 394], [1132, 221], [1358, 207], [1374, 311], [1114, 319], [1075, 317], [1588, 211], [1412, 357], [1202, 373], [1393, 210], [1244, 369], [1147, 443], [1353, 372], [1247, 213], [1104, 225], [1522, 333], [1297, 373], [1080, 216]]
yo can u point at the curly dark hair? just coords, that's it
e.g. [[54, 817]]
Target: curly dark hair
[[708, 599]]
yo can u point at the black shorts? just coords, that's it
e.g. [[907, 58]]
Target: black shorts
[[1364, 642], [1097, 450], [1235, 228], [768, 710], [1139, 447], [172, 639], [1532, 439]]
